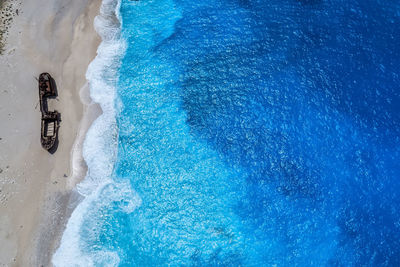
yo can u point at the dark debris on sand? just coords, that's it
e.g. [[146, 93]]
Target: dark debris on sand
[[8, 9]]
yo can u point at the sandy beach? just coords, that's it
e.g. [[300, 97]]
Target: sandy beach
[[35, 186]]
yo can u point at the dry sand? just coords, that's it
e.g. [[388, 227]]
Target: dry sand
[[57, 37]]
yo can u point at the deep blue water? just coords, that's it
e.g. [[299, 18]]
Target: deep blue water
[[254, 133]]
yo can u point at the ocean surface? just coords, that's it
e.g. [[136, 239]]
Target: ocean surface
[[242, 133]]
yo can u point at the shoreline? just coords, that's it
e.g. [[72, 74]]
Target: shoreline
[[36, 188], [91, 111]]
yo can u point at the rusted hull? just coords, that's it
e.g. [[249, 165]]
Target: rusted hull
[[47, 89], [50, 119], [46, 85], [49, 129]]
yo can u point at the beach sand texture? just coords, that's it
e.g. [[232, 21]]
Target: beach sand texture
[[35, 186]]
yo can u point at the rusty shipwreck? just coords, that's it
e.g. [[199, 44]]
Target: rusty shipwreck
[[50, 119]]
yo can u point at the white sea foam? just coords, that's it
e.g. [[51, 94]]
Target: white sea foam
[[100, 146]]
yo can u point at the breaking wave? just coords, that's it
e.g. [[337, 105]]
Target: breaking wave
[[100, 145]]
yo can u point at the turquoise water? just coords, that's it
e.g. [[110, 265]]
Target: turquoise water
[[242, 133]]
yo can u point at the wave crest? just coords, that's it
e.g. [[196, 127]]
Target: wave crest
[[100, 146]]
